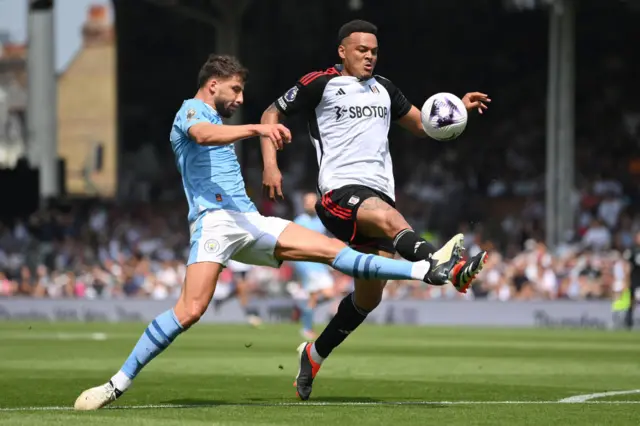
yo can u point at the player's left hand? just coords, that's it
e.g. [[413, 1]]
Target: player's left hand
[[476, 100], [272, 183]]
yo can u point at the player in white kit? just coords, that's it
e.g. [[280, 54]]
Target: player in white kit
[[349, 111]]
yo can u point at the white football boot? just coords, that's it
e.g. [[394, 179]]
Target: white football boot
[[98, 397]]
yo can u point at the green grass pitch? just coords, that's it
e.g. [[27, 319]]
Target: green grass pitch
[[237, 375]]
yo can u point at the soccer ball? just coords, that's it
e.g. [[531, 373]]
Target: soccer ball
[[444, 116]]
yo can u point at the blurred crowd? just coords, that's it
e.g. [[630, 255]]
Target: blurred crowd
[[537, 274], [101, 251]]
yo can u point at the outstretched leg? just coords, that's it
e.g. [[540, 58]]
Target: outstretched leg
[[297, 243], [200, 283]]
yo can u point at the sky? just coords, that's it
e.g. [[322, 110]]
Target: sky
[[69, 17]]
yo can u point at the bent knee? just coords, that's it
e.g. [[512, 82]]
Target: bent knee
[[393, 222], [190, 312], [368, 293]]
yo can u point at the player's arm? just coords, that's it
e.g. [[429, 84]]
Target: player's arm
[[409, 117], [412, 120], [210, 134], [271, 115], [301, 98], [271, 175], [197, 123], [402, 112]]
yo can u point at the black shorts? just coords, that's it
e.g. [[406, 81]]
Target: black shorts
[[338, 209]]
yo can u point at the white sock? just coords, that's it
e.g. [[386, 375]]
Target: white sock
[[314, 354], [121, 381], [420, 269]]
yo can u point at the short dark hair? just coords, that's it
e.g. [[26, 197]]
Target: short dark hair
[[221, 66], [356, 26]]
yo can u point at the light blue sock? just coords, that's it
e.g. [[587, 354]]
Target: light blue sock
[[369, 266], [156, 338], [306, 315]]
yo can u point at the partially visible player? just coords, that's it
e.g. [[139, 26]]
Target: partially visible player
[[315, 278], [236, 283], [243, 290], [349, 112], [630, 291], [225, 223]]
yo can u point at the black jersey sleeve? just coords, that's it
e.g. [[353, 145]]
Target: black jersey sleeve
[[400, 105], [304, 96]]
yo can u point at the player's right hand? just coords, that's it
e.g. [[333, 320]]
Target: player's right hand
[[272, 183], [277, 134]]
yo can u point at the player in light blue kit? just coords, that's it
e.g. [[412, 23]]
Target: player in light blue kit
[[315, 278], [225, 224]]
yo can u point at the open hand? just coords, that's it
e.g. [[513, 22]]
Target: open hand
[[476, 100]]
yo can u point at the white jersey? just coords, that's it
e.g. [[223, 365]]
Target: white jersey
[[349, 123]]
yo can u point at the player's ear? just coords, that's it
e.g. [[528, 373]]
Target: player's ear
[[213, 84], [342, 51]]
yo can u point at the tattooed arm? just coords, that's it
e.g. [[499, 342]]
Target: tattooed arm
[[271, 175], [301, 98]]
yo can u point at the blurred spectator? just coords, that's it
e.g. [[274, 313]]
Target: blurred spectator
[[598, 236]]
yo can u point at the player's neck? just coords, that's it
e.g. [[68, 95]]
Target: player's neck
[[345, 72], [206, 98]]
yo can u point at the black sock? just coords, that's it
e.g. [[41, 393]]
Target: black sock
[[412, 247], [347, 319]]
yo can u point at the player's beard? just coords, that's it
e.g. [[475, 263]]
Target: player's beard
[[223, 110]]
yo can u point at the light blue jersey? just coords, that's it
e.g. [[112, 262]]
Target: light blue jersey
[[315, 224], [311, 222], [211, 175]]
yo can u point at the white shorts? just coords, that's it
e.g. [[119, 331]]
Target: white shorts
[[221, 235], [236, 266], [313, 281]]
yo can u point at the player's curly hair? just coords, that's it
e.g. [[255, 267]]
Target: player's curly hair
[[356, 26], [221, 66]]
